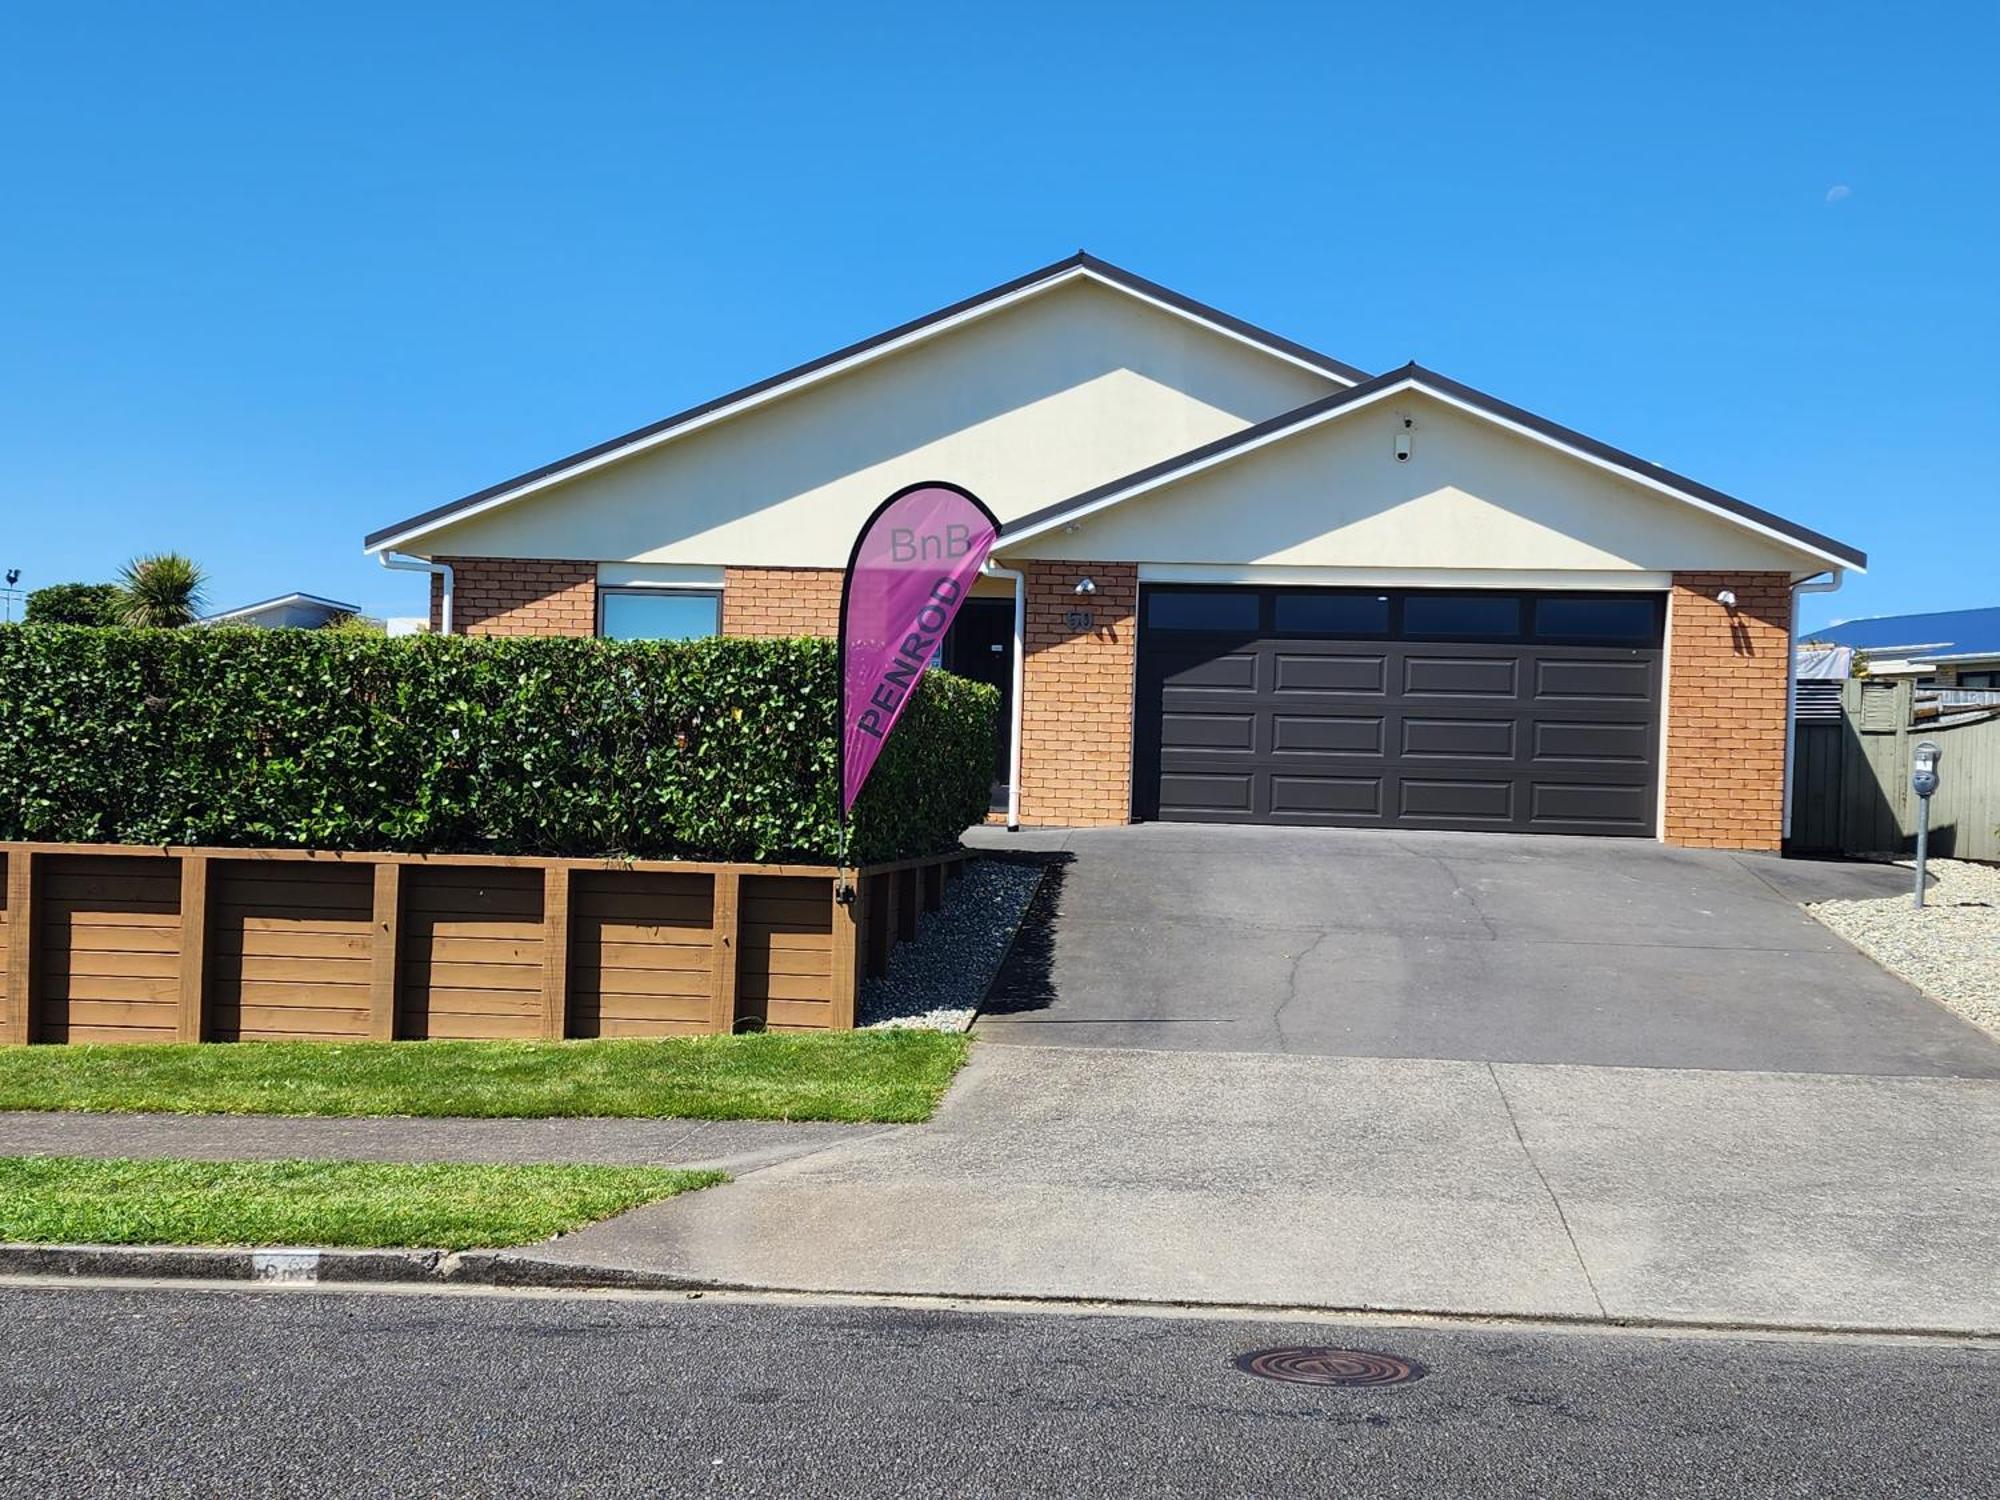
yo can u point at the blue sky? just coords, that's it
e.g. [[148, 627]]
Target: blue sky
[[272, 276]]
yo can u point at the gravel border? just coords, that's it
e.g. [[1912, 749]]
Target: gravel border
[[1950, 950], [937, 982]]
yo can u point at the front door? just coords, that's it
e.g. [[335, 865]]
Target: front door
[[980, 645]]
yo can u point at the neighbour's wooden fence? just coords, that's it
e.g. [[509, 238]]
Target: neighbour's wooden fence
[[118, 943], [1851, 780]]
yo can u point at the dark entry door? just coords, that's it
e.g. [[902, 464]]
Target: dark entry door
[[980, 645], [1524, 711]]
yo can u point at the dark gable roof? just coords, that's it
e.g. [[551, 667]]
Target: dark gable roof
[[1338, 369], [1478, 400]]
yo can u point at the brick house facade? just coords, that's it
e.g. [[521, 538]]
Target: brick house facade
[[1235, 461]]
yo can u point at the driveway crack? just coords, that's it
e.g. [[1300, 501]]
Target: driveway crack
[[1292, 988], [1554, 1202]]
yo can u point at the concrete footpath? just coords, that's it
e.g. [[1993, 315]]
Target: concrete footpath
[[724, 1145], [1473, 1188]]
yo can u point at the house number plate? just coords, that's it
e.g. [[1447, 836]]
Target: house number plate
[[1079, 619]]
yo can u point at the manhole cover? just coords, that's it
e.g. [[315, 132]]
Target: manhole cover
[[1308, 1364]]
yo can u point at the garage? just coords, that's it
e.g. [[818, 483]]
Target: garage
[[1521, 711]]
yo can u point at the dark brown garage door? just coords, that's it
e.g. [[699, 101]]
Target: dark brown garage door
[[1532, 712]]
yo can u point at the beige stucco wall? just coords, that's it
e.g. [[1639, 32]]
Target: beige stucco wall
[[1025, 407], [1471, 496]]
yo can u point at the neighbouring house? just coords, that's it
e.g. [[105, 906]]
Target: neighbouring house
[[1953, 648], [301, 611], [1237, 580]]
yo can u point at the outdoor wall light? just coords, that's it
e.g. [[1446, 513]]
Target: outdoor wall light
[[1727, 598], [1085, 586]]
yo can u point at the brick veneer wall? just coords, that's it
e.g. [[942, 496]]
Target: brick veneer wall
[[780, 601], [518, 596], [1726, 669], [1076, 729]]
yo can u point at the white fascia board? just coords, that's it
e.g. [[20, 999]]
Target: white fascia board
[[1230, 455], [1280, 575], [827, 372]]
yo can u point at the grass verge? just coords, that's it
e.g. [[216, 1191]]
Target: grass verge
[[890, 1076], [74, 1200]]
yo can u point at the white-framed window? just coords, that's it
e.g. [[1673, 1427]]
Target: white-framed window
[[658, 614]]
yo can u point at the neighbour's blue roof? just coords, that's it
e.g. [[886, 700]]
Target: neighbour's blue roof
[[1951, 632]]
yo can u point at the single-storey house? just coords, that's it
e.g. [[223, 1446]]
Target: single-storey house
[[295, 611], [1237, 580], [1952, 648]]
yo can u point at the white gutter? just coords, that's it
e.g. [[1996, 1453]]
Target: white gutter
[[1804, 586], [420, 565], [993, 570]]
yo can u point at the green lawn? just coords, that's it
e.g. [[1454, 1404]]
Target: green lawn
[[856, 1075], [75, 1200]]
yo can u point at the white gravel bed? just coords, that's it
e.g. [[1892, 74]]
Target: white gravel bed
[[1950, 950], [936, 982]]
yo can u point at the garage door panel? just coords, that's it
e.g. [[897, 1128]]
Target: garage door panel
[[1213, 792], [1513, 733], [1460, 676], [1572, 804], [1599, 743], [1327, 734], [1299, 672], [1326, 796], [1234, 671], [1208, 731], [1428, 800], [1619, 681], [1471, 739]]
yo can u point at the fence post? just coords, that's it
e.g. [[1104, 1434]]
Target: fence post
[[194, 947], [846, 951], [722, 951], [555, 952], [385, 970], [21, 922]]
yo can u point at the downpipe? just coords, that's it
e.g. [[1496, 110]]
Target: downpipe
[[1018, 677], [405, 564]]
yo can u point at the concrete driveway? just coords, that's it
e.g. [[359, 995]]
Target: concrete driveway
[[1481, 947]]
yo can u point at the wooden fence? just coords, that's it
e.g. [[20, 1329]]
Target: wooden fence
[[1851, 780], [118, 943]]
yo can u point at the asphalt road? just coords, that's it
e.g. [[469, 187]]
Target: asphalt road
[[188, 1392]]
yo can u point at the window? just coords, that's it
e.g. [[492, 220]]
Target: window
[[1447, 616], [1229, 614], [1619, 621], [1988, 680], [1333, 614], [658, 614]]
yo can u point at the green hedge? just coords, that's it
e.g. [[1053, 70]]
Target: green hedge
[[718, 749]]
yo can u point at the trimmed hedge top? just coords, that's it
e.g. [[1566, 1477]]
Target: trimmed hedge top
[[714, 749]]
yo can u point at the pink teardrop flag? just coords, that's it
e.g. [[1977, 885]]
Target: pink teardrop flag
[[911, 569]]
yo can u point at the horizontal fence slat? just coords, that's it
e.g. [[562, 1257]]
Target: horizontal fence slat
[[229, 942], [59, 986], [137, 963], [504, 978], [761, 986], [647, 955], [587, 980]]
